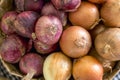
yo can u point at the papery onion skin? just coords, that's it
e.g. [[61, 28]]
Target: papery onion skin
[[48, 29], [29, 5], [66, 5], [7, 22], [12, 49], [57, 66], [87, 68], [31, 61], [110, 13], [87, 15], [25, 23], [75, 41], [107, 44], [44, 48], [49, 9]]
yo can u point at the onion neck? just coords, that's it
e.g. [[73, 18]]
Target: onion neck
[[29, 75]]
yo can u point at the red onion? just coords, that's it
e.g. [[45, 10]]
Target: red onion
[[43, 48], [48, 29], [12, 48], [49, 9], [7, 22], [24, 23], [66, 5], [32, 65], [29, 5]]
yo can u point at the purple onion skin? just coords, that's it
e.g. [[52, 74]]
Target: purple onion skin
[[12, 49], [44, 48], [29, 5], [49, 9], [25, 23], [31, 61], [7, 22], [48, 29], [66, 5]]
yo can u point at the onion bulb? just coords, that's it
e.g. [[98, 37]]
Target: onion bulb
[[57, 66], [87, 68], [107, 44]]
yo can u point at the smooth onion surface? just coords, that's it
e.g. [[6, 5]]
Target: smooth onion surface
[[87, 68], [57, 66], [75, 41]]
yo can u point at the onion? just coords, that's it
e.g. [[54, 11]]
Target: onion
[[96, 30], [32, 65], [44, 48], [57, 66], [107, 65], [12, 49], [107, 44], [110, 13], [75, 41], [48, 29], [25, 23], [98, 1], [49, 9], [7, 22], [29, 5], [87, 15], [87, 68], [66, 5]]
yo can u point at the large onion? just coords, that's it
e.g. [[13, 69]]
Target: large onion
[[57, 66], [107, 44], [87, 68]]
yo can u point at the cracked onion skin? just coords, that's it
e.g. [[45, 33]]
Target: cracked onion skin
[[75, 41], [57, 66], [107, 44], [87, 68]]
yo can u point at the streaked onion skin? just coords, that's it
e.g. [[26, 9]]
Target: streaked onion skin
[[49, 9], [107, 44], [86, 15], [57, 66], [29, 5], [48, 29], [12, 49], [110, 13], [25, 23], [7, 22], [66, 5], [87, 68], [75, 41]]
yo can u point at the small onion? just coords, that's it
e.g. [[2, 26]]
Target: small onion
[[107, 44], [75, 41], [57, 66], [66, 5], [87, 68]]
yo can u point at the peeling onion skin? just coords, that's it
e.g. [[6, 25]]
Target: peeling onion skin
[[87, 68], [57, 66], [48, 29], [110, 13], [7, 22], [107, 44], [87, 15], [66, 5], [25, 23], [75, 41], [12, 49]]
